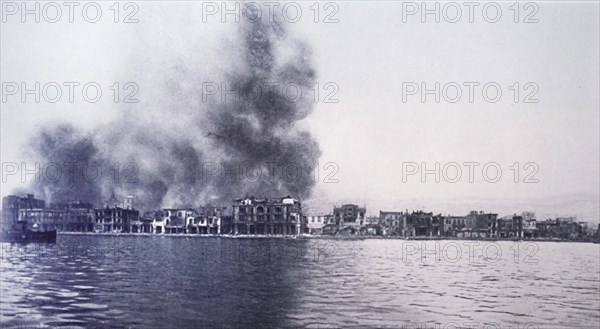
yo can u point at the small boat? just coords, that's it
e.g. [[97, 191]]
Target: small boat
[[19, 232]]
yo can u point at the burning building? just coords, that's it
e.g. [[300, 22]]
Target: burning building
[[280, 216], [116, 216]]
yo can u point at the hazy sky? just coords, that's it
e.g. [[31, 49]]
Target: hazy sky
[[369, 53]]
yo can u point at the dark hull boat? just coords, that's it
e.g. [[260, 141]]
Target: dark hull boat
[[19, 232], [19, 229], [28, 236]]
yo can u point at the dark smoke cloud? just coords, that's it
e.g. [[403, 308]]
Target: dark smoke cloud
[[173, 145]]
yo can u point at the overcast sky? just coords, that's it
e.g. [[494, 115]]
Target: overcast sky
[[369, 53]]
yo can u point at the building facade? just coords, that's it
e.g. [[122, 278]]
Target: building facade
[[509, 227], [116, 217], [43, 219], [281, 216], [11, 204], [392, 223], [315, 223], [78, 217]]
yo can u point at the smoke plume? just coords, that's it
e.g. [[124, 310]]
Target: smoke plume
[[189, 149]]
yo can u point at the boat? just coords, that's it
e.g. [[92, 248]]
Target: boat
[[19, 232]]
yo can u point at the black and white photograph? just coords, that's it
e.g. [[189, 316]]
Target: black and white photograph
[[306, 164]]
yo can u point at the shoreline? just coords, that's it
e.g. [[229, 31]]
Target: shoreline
[[322, 237]]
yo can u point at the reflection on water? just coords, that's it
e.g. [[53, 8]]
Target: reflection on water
[[167, 282]]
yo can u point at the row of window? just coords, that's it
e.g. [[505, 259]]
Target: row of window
[[262, 218], [260, 210]]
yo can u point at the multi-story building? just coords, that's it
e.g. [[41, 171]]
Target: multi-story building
[[483, 223], [43, 219], [371, 226], [392, 222], [63, 217], [204, 220], [11, 204], [226, 224], [547, 228], [568, 227], [268, 216], [529, 225], [158, 221], [175, 220], [349, 215], [208, 220], [116, 216], [315, 223], [562, 228], [114, 220], [420, 223], [78, 217], [509, 227], [204, 224], [416, 223], [455, 224], [144, 223]]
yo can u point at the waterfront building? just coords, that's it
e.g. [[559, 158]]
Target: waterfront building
[[78, 217], [529, 225], [583, 230], [175, 220], [64, 217], [43, 219], [415, 223], [11, 204], [158, 221], [226, 225], [568, 227], [203, 224], [349, 215], [419, 223], [144, 223], [204, 220], [547, 229], [483, 223], [347, 220], [116, 216], [477, 225], [454, 224], [210, 220], [315, 223], [392, 222], [268, 216], [509, 227]]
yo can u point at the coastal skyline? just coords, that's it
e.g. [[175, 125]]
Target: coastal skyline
[[559, 133], [300, 164]]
